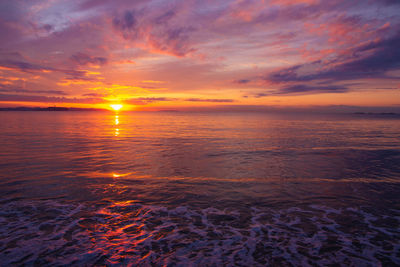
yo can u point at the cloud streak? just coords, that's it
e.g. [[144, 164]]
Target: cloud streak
[[84, 59], [20, 90], [33, 68], [370, 60], [210, 100], [307, 89], [48, 99]]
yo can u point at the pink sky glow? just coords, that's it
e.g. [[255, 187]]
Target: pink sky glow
[[178, 54]]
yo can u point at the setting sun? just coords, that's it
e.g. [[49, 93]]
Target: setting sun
[[116, 107]]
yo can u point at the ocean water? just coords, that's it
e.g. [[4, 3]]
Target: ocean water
[[199, 189]]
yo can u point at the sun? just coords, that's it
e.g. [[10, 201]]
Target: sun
[[116, 107]]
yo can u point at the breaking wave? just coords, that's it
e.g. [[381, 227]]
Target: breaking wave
[[49, 232]]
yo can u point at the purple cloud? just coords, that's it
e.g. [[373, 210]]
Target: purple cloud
[[23, 66], [243, 81], [307, 89], [371, 60], [84, 59], [48, 99], [210, 100], [20, 90], [147, 100], [154, 31], [94, 95], [32, 68], [126, 23]]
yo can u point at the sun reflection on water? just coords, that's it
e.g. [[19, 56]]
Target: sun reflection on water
[[116, 123], [118, 175]]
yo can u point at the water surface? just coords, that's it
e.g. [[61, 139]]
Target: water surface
[[164, 188]]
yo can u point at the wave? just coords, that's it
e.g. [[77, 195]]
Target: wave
[[52, 232]]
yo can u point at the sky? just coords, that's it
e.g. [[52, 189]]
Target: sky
[[165, 54]]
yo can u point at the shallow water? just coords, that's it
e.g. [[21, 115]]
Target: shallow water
[[207, 189]]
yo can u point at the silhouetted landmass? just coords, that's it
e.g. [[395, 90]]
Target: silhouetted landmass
[[50, 109], [377, 113], [56, 109]]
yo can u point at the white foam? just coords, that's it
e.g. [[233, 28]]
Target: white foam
[[50, 232]]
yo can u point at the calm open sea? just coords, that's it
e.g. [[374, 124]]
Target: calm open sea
[[203, 189]]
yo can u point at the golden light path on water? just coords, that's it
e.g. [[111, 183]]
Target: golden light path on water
[[116, 108], [116, 125]]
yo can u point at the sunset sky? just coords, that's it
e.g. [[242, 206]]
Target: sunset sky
[[164, 54]]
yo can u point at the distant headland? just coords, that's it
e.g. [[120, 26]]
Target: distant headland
[[377, 113], [50, 109]]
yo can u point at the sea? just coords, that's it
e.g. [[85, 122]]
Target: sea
[[199, 189]]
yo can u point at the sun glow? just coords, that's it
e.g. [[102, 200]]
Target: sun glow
[[116, 107]]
